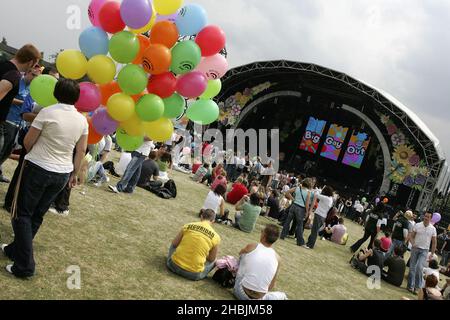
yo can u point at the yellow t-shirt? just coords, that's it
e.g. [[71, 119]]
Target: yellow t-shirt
[[198, 240]]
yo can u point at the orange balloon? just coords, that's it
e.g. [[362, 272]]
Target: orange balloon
[[144, 42], [157, 59], [107, 90], [137, 97], [94, 137], [165, 33]]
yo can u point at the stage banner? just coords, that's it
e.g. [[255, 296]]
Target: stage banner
[[334, 142], [311, 138], [356, 149]]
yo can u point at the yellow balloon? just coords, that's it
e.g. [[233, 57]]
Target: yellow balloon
[[160, 130], [133, 126], [148, 26], [72, 64], [166, 7], [101, 69], [120, 107]]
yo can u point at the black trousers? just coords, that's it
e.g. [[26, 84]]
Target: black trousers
[[62, 199], [38, 190], [9, 197], [8, 133], [367, 234]]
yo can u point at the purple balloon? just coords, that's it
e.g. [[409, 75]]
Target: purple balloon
[[103, 123], [136, 13], [170, 17], [436, 217], [192, 85], [377, 200]]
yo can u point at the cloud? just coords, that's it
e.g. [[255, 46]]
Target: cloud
[[400, 46]]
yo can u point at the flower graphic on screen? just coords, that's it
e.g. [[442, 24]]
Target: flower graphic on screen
[[403, 153], [398, 139]]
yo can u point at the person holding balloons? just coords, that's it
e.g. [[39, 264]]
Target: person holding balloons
[[48, 167]]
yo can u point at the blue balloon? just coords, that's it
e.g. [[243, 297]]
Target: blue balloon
[[191, 20], [94, 41]]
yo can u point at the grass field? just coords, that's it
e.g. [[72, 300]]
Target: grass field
[[120, 243]]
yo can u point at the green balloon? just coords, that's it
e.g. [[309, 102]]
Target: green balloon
[[150, 108], [186, 55], [203, 112], [124, 47], [41, 90], [174, 106], [212, 90], [127, 142], [132, 79]]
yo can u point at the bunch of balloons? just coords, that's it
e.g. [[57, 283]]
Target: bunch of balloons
[[144, 59]]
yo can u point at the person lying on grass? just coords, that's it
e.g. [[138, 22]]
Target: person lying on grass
[[193, 252]]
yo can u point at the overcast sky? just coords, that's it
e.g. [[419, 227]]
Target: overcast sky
[[400, 46]]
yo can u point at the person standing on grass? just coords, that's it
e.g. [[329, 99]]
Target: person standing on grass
[[25, 60], [48, 166], [325, 199], [259, 266], [400, 231], [193, 252], [423, 234], [299, 210], [29, 112], [372, 228]]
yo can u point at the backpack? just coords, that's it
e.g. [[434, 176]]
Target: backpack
[[168, 191], [224, 277]]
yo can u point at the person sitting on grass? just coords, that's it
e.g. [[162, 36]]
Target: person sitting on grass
[[369, 257], [149, 177], [259, 266], [337, 232], [193, 252], [164, 164], [238, 191], [396, 267], [214, 201], [220, 179], [386, 242], [433, 268], [430, 292], [249, 206], [201, 172]]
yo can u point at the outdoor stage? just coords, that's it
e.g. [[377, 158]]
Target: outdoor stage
[[356, 137]]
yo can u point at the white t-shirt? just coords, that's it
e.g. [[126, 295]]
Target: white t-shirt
[[325, 204], [424, 235], [213, 202], [146, 148], [359, 207], [61, 128]]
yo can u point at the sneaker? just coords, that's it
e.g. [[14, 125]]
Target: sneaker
[[113, 189], [323, 239], [3, 179], [3, 247], [9, 268], [53, 210], [64, 213], [306, 247]]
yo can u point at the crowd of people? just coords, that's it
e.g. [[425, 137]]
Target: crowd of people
[[51, 146]]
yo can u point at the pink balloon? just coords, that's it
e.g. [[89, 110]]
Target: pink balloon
[[192, 85], [90, 97], [213, 67], [93, 11]]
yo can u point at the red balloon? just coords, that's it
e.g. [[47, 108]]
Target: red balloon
[[211, 40], [110, 19], [94, 137], [163, 85]]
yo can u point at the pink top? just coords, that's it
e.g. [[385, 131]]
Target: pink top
[[385, 243], [219, 180]]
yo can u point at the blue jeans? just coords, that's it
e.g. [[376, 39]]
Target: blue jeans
[[317, 224], [38, 190], [132, 173], [416, 265], [395, 243], [299, 214], [444, 259], [195, 276]]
